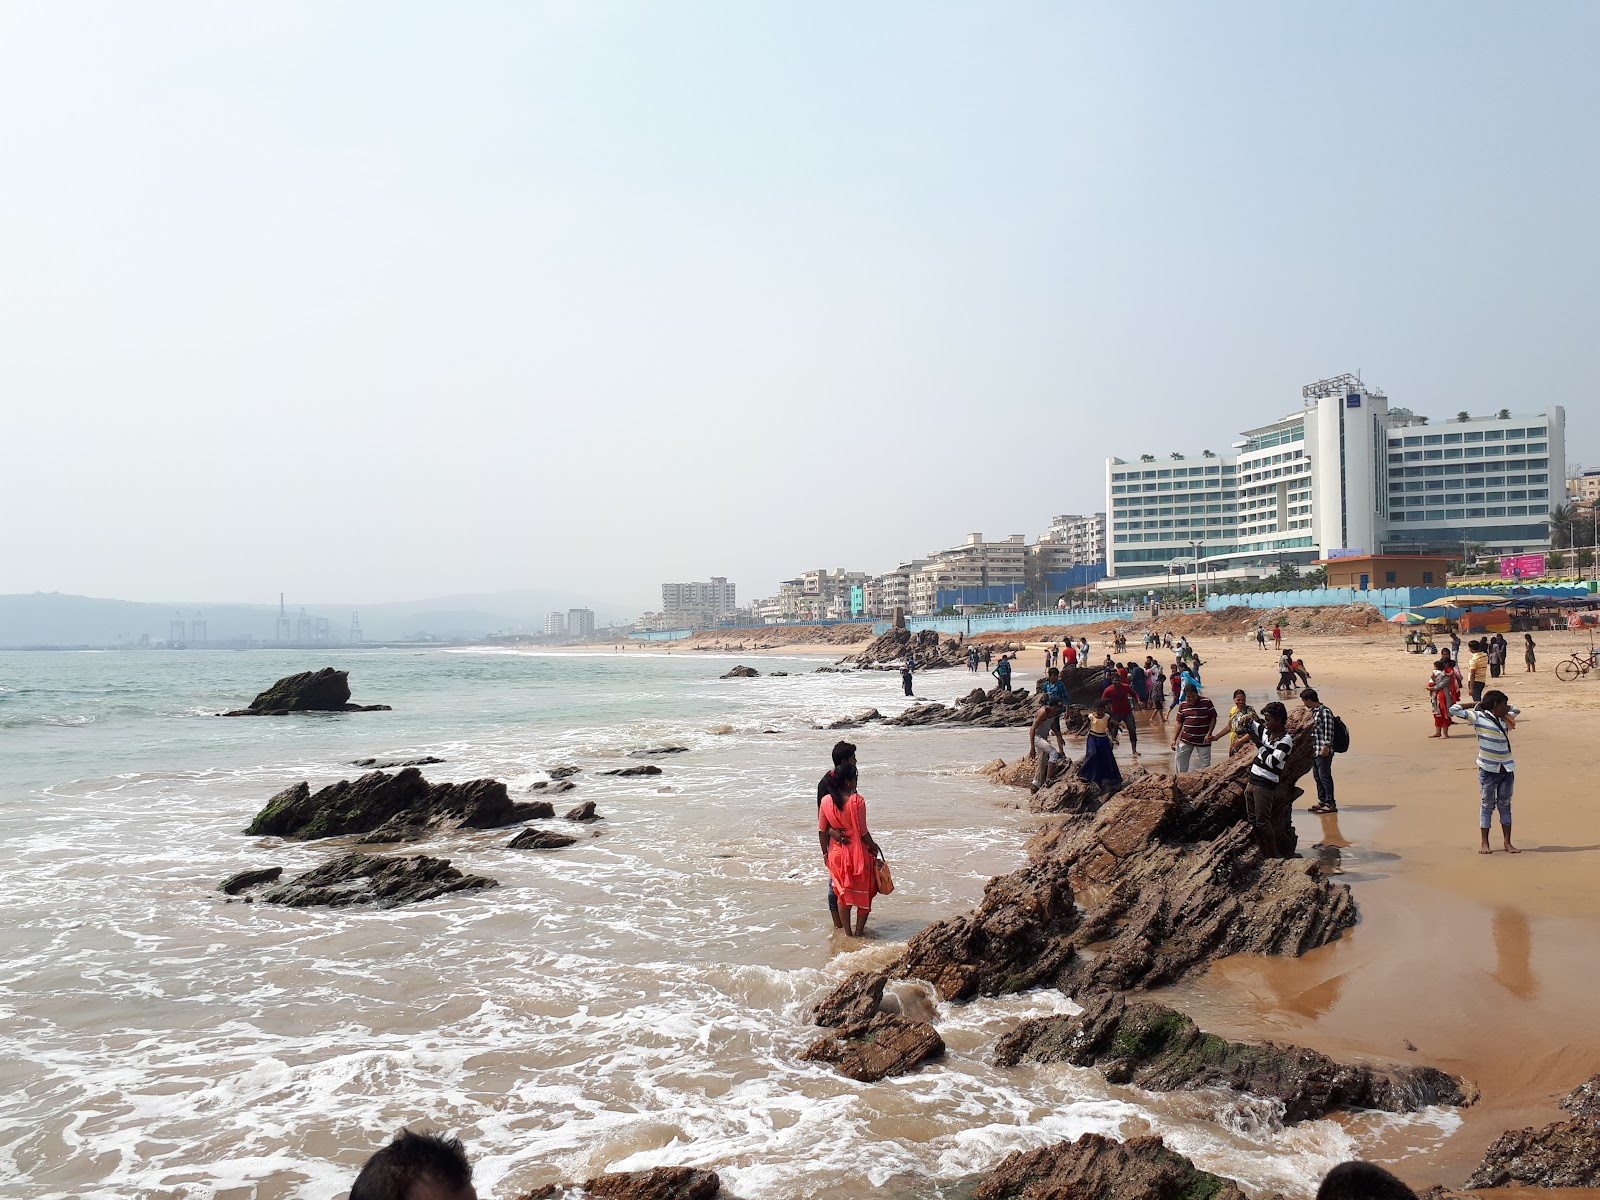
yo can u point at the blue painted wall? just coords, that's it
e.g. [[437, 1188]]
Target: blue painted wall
[[1389, 601]]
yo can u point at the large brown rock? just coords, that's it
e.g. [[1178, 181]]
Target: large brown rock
[[884, 1044], [378, 880], [1155, 1047], [1565, 1154], [326, 690], [390, 808], [853, 1001], [1099, 1168], [658, 1183], [925, 645]]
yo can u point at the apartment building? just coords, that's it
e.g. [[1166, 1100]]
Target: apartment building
[[555, 624], [715, 596], [822, 595], [975, 572], [580, 622], [1344, 472]]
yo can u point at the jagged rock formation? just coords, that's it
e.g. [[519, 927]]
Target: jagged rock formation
[[243, 881], [584, 812], [882, 1045], [539, 839], [631, 772], [371, 879], [856, 721], [553, 786], [326, 690], [563, 772], [897, 645], [1152, 1046], [374, 765], [1565, 1154], [743, 673], [657, 751], [1099, 1168], [997, 708], [853, 1001], [658, 1183], [390, 808]]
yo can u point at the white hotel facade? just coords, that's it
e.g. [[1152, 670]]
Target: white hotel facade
[[1346, 472]]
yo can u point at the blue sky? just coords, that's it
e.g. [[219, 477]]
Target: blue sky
[[386, 300]]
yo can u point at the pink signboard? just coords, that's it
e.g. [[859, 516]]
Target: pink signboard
[[1522, 566]]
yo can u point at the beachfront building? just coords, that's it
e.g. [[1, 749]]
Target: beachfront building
[[580, 622], [1068, 557], [1343, 473], [555, 624], [975, 572], [1584, 487], [716, 597], [822, 595], [1365, 571], [891, 590]]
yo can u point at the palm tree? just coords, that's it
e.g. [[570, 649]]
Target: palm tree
[[1177, 454], [1208, 454], [1422, 420], [1563, 519], [1503, 415], [1463, 416], [1147, 458]]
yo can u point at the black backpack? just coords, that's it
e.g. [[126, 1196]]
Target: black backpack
[[1341, 735]]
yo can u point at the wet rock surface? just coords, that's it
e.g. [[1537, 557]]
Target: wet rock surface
[[1099, 1168], [633, 772], [326, 690], [884, 1044], [853, 1001], [743, 673], [658, 1183], [376, 765], [657, 751], [1155, 1047], [999, 708], [894, 647], [243, 881], [552, 787], [389, 808], [556, 773], [1562, 1155], [584, 812], [540, 839], [855, 722], [371, 879]]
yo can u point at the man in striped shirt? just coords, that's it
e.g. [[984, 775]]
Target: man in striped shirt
[[1492, 719], [1267, 800], [1197, 717]]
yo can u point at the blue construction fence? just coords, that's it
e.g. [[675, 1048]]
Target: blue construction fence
[[1011, 622], [1388, 601]]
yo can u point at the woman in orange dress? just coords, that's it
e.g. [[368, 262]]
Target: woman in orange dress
[[851, 853]]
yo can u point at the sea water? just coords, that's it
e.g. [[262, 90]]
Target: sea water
[[638, 999]]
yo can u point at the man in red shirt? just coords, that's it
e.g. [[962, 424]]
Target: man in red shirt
[[1119, 701], [1069, 654]]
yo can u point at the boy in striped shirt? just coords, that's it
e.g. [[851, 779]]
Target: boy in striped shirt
[[1492, 719]]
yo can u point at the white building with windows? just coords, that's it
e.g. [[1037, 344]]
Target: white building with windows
[[580, 622], [1345, 472], [555, 624]]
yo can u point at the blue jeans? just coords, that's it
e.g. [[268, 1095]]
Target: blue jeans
[[1322, 772], [1495, 790]]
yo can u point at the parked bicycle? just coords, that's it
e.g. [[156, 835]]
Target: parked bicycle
[[1579, 665]]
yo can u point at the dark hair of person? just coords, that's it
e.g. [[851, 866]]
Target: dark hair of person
[[410, 1159], [1492, 699], [842, 784], [1475, 646], [1275, 708], [1360, 1181], [842, 751], [1238, 693], [1309, 694]]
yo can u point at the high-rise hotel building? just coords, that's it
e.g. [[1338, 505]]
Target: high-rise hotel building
[[1346, 472]]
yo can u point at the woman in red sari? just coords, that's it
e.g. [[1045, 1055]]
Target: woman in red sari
[[850, 852], [1444, 689]]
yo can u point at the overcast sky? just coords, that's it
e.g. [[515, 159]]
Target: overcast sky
[[380, 301]]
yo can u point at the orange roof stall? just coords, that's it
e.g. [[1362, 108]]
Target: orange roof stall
[[1365, 571]]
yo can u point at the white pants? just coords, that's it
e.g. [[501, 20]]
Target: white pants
[[1201, 755]]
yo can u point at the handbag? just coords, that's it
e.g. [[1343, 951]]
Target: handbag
[[885, 879]]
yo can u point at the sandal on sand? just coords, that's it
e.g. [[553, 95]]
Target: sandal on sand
[[1321, 809]]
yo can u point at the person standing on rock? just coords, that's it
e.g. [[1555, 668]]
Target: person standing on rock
[[1197, 717], [1119, 700], [850, 852], [844, 765], [1041, 750], [1237, 716], [1099, 765], [1054, 693], [1069, 654], [1002, 672], [1492, 719], [1267, 798]]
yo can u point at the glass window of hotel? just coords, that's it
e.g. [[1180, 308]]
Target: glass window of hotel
[[1497, 512], [1494, 435], [1414, 455], [1451, 437], [1432, 439], [1474, 435], [1453, 452], [1414, 441], [1432, 454], [1475, 512], [1514, 433]]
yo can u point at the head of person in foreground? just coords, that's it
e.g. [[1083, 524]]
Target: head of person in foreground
[[1362, 1181], [417, 1166]]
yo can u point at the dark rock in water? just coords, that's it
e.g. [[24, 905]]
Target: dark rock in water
[[629, 772], [856, 721], [563, 772], [326, 690], [1152, 1046], [1563, 1155], [658, 1183], [374, 879], [830, 671], [245, 880], [656, 752], [584, 812], [397, 808], [1100, 1168], [537, 809], [552, 786], [999, 709], [375, 765], [539, 839], [853, 1001], [777, 674], [882, 1045], [742, 673]]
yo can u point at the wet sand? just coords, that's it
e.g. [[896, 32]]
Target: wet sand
[[1485, 964]]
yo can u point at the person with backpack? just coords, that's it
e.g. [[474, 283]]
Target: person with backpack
[[1328, 737]]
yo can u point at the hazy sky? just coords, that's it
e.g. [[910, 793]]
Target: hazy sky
[[379, 301]]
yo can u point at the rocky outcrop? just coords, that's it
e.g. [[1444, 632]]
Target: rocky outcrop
[[632, 772], [378, 880], [657, 751], [1565, 1154], [894, 647], [584, 812], [374, 765], [882, 1045], [1000, 708], [1155, 1047], [743, 673], [390, 808], [853, 1001], [326, 690], [553, 787], [243, 881], [563, 772], [539, 839], [1099, 1168], [658, 1183], [855, 722]]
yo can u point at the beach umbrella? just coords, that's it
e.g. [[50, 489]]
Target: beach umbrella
[[1406, 618]]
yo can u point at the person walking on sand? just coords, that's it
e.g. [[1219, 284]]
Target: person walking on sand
[[1322, 724], [1529, 662], [1495, 656], [1286, 671], [1444, 690], [1492, 719], [1041, 750], [1266, 798], [1158, 689], [1301, 673], [1261, 636], [1277, 636], [1197, 717], [1119, 698], [1477, 668], [851, 858], [1099, 765]]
